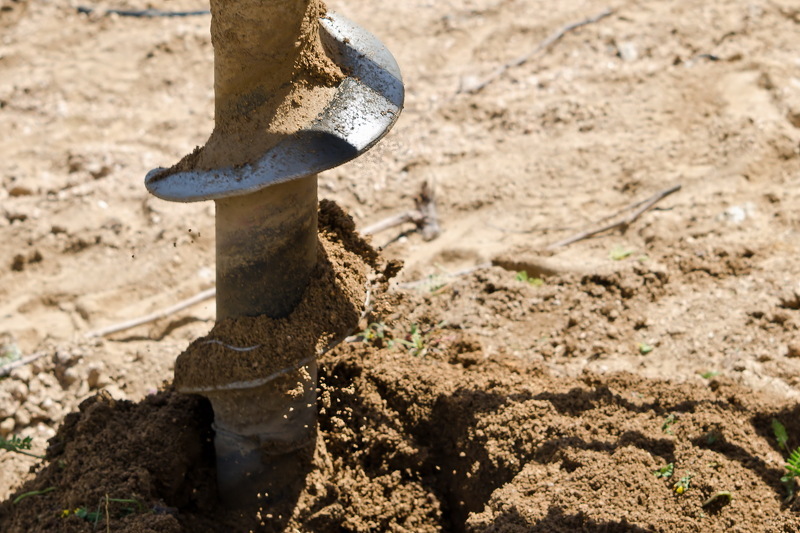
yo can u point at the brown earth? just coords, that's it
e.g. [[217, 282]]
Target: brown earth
[[506, 410]]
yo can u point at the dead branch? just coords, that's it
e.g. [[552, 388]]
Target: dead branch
[[542, 46], [152, 317], [424, 217], [622, 224], [6, 369], [413, 216], [425, 202]]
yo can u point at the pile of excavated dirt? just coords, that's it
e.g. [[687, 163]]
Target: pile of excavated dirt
[[448, 440], [421, 430]]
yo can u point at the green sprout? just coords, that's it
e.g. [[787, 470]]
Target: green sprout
[[645, 348], [789, 479], [722, 496], [32, 493], [618, 253], [376, 331], [780, 434], [416, 342], [710, 374], [792, 473], [683, 484], [666, 427], [9, 353], [665, 471], [18, 445], [523, 277]]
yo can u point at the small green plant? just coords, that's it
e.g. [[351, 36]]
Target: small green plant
[[780, 434], [94, 516], [9, 353], [18, 445], [32, 493], [792, 466], [523, 277], [645, 348], [722, 497], [710, 374], [792, 473], [665, 471], [373, 333], [417, 342], [683, 484], [666, 427], [618, 253]]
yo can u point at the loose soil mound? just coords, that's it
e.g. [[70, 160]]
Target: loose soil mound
[[450, 441]]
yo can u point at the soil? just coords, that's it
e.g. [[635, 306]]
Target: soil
[[479, 401]]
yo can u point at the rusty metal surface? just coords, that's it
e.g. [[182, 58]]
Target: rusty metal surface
[[365, 106]]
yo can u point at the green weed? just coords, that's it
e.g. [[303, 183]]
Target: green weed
[[665, 471], [373, 334], [683, 484], [780, 434], [18, 445], [792, 473], [32, 493], [666, 427], [523, 277], [618, 253], [417, 342], [645, 348]]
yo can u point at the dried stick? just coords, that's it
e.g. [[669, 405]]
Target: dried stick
[[544, 45], [622, 224], [424, 217], [6, 369], [128, 324], [413, 216]]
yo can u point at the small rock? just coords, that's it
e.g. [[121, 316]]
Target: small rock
[[116, 392], [22, 418], [793, 350], [20, 190], [96, 378], [627, 51], [7, 404], [7, 426], [68, 377], [19, 391], [23, 374], [63, 358]]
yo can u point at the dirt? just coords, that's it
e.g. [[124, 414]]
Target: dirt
[[329, 311], [502, 404], [261, 95]]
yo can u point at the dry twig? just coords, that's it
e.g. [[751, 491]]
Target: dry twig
[[622, 224], [6, 369], [542, 46], [424, 217], [128, 324]]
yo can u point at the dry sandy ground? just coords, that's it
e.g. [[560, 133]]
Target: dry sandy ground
[[702, 94]]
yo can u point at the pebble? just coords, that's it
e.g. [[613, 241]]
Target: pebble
[[96, 378], [7, 426], [18, 390], [22, 418], [66, 358], [69, 376], [23, 373]]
